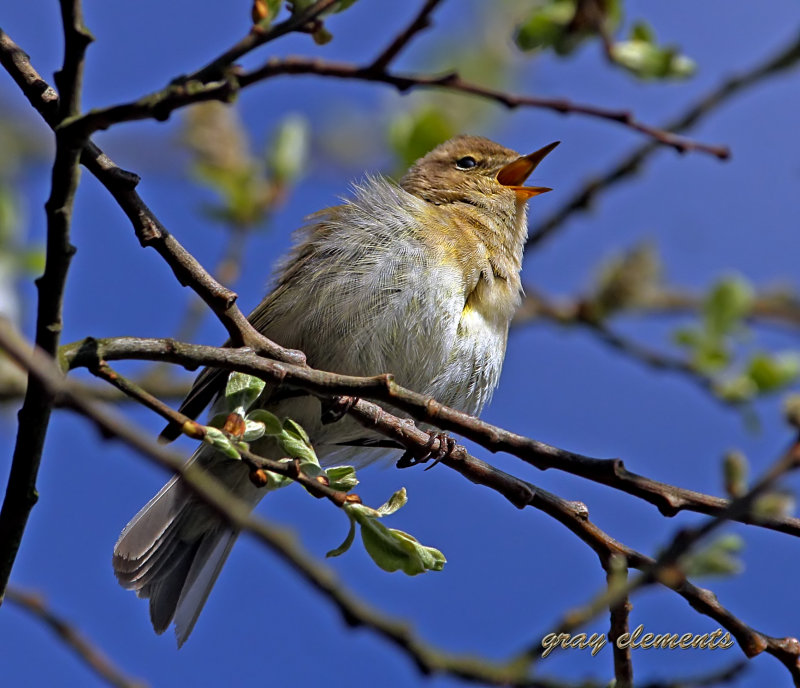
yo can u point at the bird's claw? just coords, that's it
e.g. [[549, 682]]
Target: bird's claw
[[336, 408], [444, 448]]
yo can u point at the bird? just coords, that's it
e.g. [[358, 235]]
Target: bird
[[418, 278]]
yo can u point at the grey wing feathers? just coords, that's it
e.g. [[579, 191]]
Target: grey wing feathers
[[176, 574], [206, 386]]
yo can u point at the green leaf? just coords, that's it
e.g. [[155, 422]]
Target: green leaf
[[348, 541], [394, 550], [717, 558], [770, 373], [342, 478], [391, 549], [413, 134], [272, 424], [642, 31], [735, 468], [775, 504], [644, 58], [647, 61], [295, 442], [289, 150], [242, 390], [218, 440], [32, 260], [626, 280], [395, 502], [545, 26], [736, 390], [342, 5], [687, 337]]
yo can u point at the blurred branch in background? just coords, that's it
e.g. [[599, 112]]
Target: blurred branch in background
[[718, 351], [34, 605], [248, 189], [572, 515], [221, 80], [628, 167]]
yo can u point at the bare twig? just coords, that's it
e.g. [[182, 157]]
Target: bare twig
[[86, 650], [258, 37], [620, 612], [630, 165], [12, 389], [420, 22], [150, 232], [667, 570], [520, 493], [34, 416], [159, 105], [669, 499], [356, 613]]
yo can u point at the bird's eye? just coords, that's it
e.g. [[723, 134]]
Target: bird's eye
[[466, 163]]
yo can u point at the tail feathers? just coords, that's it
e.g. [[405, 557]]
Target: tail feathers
[[171, 553], [207, 564]]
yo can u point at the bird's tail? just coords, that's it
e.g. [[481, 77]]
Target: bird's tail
[[172, 551]]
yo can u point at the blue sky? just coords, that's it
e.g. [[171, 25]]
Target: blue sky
[[510, 574]]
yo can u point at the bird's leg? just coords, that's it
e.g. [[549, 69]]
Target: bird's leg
[[336, 408], [444, 447]]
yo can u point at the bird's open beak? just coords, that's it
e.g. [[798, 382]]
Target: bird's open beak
[[515, 173]]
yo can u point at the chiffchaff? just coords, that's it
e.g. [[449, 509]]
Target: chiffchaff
[[418, 279]]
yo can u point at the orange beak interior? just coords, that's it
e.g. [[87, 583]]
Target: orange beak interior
[[515, 173]]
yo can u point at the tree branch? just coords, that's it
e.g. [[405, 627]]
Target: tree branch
[[420, 22], [161, 104], [238, 516], [34, 417], [87, 652], [669, 499], [630, 165]]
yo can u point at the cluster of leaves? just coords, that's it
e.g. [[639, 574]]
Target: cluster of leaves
[[625, 281], [249, 188], [263, 13], [565, 25], [19, 258], [712, 345], [389, 548]]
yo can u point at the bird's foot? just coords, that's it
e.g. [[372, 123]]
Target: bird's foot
[[444, 447], [336, 408]]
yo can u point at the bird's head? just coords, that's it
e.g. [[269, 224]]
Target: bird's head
[[476, 171]]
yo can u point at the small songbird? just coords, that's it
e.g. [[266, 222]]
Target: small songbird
[[418, 279]]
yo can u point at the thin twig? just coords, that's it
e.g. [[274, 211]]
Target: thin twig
[[421, 21], [234, 512], [630, 165], [669, 499], [34, 417], [667, 570], [258, 37], [620, 612], [66, 631], [159, 105]]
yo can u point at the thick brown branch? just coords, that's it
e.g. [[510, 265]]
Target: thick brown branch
[[150, 232], [669, 499], [87, 652], [520, 493], [34, 417], [355, 613]]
